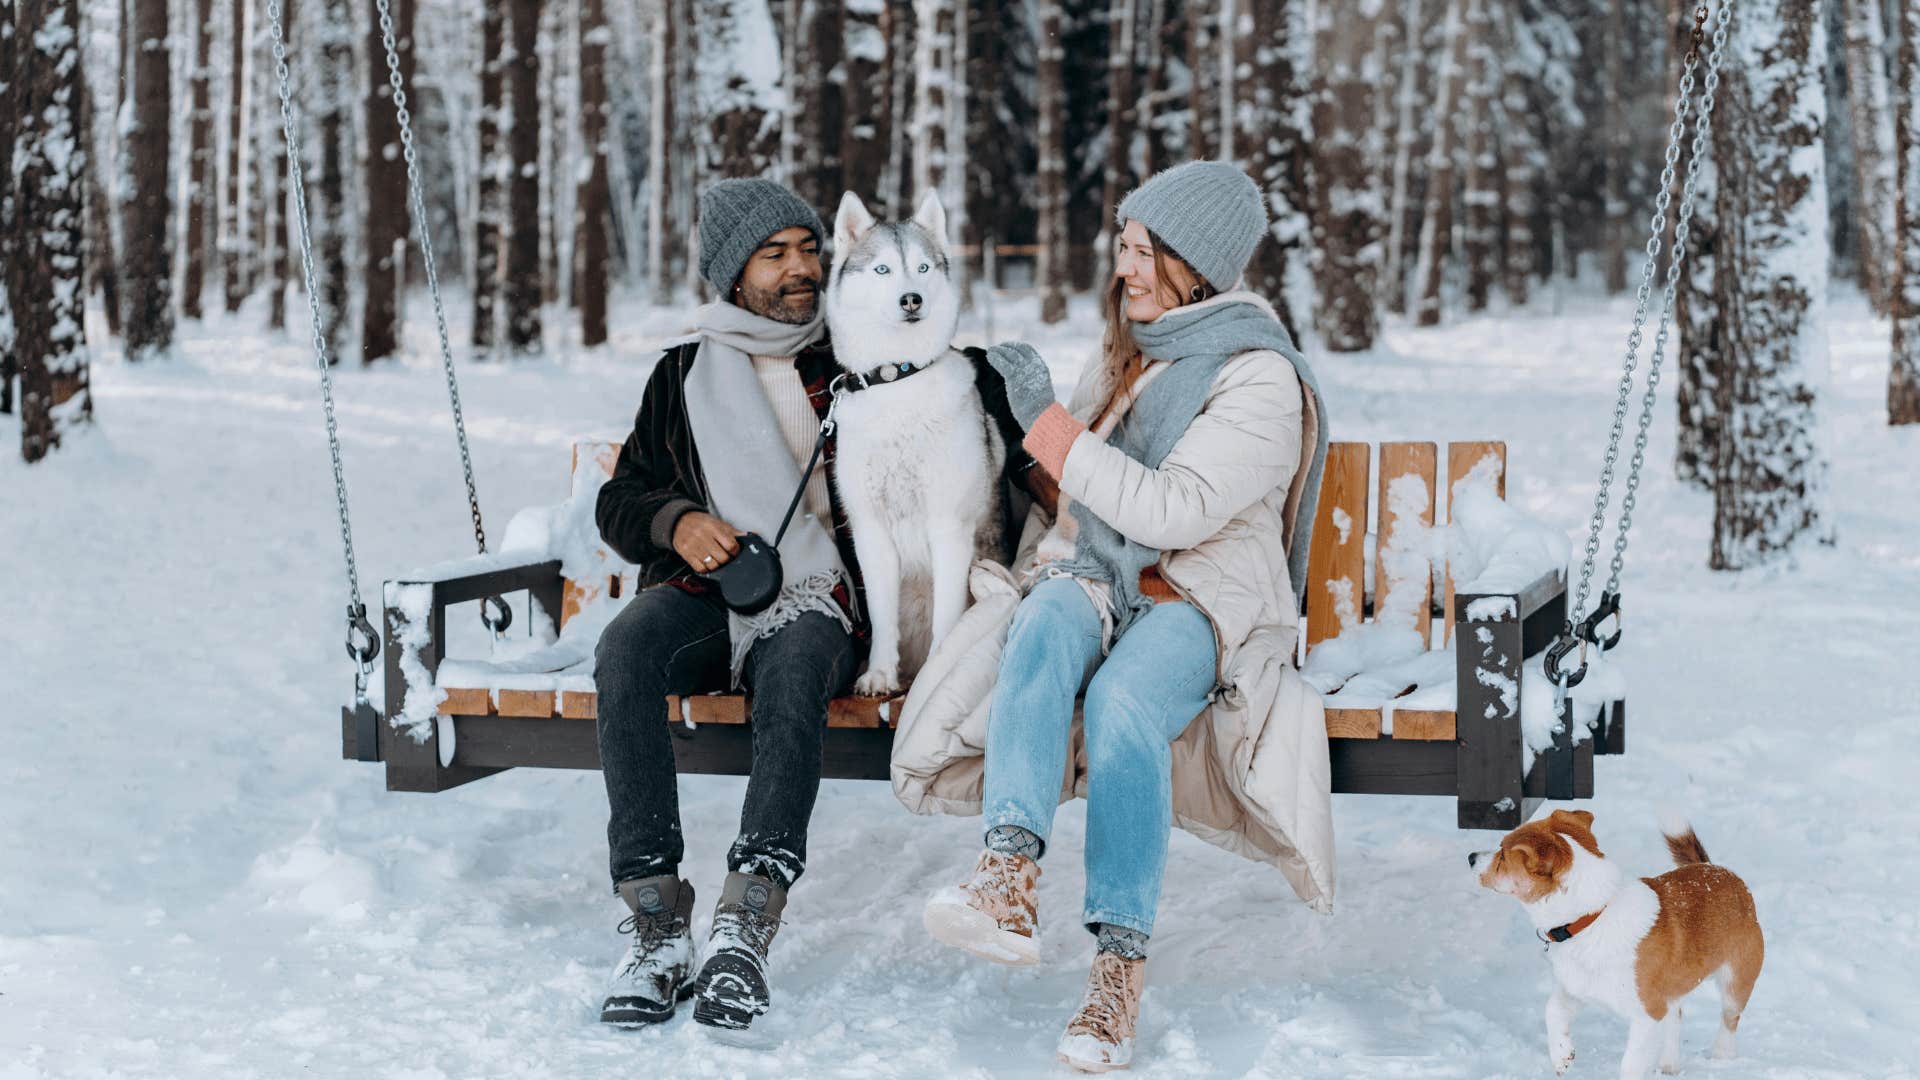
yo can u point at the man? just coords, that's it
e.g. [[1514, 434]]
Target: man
[[725, 427]]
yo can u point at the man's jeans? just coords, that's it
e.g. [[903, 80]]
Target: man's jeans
[[1152, 684], [669, 642]]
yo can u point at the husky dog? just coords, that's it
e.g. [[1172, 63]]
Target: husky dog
[[919, 459]]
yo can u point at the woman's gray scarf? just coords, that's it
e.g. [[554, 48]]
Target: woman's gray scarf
[[749, 469], [1201, 339]]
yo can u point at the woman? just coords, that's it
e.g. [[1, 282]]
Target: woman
[[1160, 583]]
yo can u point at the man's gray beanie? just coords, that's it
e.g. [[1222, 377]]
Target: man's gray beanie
[[737, 216], [1209, 212]]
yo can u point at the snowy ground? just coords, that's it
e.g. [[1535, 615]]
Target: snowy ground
[[193, 884]]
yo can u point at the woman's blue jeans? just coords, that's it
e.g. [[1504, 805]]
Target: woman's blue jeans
[[1148, 689]]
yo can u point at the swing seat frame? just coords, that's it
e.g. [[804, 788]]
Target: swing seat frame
[[1472, 752]]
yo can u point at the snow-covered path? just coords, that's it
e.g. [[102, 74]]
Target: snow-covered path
[[193, 884]]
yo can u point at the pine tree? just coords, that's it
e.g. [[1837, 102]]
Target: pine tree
[[384, 184], [1349, 205], [9, 236], [278, 241], [1122, 116], [1873, 146], [333, 81], [489, 219], [898, 24], [1769, 493], [148, 252], [520, 289], [1615, 145], [1700, 334], [50, 170], [200, 184], [737, 86], [662, 101], [1480, 235], [1903, 377], [234, 239], [1050, 269], [815, 127], [1203, 77], [1522, 158], [593, 206], [863, 135], [1270, 138], [1436, 219]]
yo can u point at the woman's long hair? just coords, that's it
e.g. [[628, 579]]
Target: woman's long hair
[[1177, 284]]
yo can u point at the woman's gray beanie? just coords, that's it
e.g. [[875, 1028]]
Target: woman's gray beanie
[[1209, 212], [737, 216]]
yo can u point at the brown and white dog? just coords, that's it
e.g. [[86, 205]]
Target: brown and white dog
[[1634, 945]]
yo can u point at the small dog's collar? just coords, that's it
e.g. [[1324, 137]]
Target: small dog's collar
[[882, 375], [1557, 934]]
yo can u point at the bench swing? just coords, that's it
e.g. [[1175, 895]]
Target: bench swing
[[444, 722]]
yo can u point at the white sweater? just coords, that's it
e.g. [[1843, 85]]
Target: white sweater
[[799, 424]]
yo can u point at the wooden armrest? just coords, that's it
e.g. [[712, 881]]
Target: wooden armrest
[[452, 583]]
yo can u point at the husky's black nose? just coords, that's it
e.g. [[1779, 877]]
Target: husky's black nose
[[910, 303]]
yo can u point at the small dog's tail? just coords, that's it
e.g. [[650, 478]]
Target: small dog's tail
[[1682, 844]]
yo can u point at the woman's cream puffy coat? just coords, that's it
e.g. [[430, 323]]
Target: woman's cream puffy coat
[[1251, 772]]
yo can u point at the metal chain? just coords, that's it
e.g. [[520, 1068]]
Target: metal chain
[[1636, 337], [425, 240], [368, 646], [1702, 132]]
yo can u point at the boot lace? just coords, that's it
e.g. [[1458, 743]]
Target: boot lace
[[652, 932], [753, 929], [1106, 1013]]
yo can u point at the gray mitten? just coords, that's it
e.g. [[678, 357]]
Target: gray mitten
[[1029, 384]]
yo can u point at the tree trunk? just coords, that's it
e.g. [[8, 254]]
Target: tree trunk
[[815, 110], [933, 60], [1436, 218], [101, 133], [661, 116], [1406, 134], [595, 199], [1270, 137], [1203, 74], [737, 88], [1903, 379], [334, 81], [488, 219], [1480, 238], [200, 181], [1522, 158], [1348, 201], [1873, 147], [1159, 29], [1701, 345], [276, 233], [50, 168], [1615, 144], [1051, 267], [148, 254], [234, 242], [10, 268], [1122, 116], [521, 288], [898, 22], [1769, 494], [384, 183], [863, 137]]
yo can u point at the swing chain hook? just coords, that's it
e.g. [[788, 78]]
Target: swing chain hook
[[1608, 607], [496, 615], [363, 644], [1568, 641]]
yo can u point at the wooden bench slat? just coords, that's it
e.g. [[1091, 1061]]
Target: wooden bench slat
[[462, 701], [1353, 723], [529, 703], [1397, 460], [1461, 459], [581, 705], [1336, 566], [1423, 725]]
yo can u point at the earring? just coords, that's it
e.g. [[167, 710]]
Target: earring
[[1197, 294]]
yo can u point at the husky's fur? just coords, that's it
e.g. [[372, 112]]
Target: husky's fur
[[919, 460]]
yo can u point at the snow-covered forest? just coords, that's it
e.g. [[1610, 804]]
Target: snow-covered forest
[[1461, 193]]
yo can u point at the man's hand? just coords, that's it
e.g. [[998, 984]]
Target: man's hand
[[704, 541]]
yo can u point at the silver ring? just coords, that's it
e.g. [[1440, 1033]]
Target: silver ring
[[706, 559]]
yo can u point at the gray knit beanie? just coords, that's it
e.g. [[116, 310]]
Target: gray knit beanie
[[1209, 212], [737, 216]]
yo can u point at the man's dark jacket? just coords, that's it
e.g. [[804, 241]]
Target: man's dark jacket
[[658, 479]]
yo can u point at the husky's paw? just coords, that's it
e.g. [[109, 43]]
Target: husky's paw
[[878, 682], [1562, 1060]]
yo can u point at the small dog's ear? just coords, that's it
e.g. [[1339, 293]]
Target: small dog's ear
[[932, 217], [851, 222], [1575, 817], [1523, 853]]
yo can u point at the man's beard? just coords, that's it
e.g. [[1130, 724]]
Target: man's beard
[[793, 304]]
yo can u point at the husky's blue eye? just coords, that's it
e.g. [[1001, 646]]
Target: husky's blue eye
[[881, 269], [924, 268]]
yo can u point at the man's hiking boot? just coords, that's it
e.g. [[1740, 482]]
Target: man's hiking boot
[[995, 915], [1100, 1035], [657, 972], [732, 987]]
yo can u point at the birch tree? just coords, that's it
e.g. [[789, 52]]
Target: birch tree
[[520, 290], [1903, 378], [1873, 146], [1769, 494], [49, 169], [148, 251]]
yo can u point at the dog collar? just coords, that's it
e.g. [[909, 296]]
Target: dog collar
[[882, 375], [1567, 930]]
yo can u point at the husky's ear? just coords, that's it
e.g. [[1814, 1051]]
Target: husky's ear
[[851, 222], [932, 217]]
